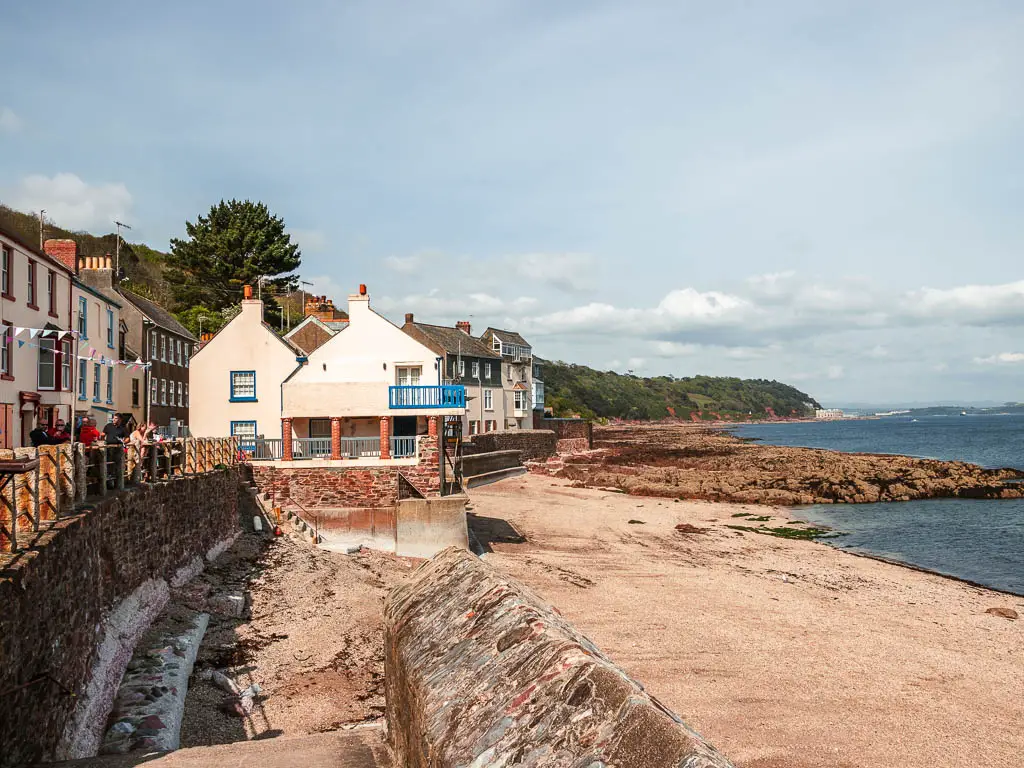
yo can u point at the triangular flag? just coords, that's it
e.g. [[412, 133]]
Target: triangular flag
[[92, 353], [20, 343], [17, 330], [32, 332]]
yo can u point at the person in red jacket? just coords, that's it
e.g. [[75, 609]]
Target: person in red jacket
[[88, 434]]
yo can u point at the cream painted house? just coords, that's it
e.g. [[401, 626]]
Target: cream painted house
[[35, 369], [97, 383], [371, 385], [236, 378]]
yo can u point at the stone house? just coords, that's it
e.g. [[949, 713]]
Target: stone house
[[321, 322]]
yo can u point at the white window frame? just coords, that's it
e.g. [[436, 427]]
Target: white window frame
[[408, 375], [475, 368], [186, 395], [487, 370], [488, 399], [152, 345], [163, 391], [181, 393], [47, 345], [519, 400], [163, 347], [462, 368]]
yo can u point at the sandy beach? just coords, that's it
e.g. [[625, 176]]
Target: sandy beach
[[780, 652]]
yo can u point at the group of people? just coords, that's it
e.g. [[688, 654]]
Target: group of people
[[117, 432]]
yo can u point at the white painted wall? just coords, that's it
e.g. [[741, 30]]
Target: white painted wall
[[244, 344], [350, 374]]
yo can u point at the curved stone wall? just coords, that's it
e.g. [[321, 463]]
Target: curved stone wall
[[480, 671]]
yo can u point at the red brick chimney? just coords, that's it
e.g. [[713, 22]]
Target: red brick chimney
[[464, 326], [64, 251], [408, 318]]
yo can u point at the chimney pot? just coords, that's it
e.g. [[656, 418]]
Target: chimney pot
[[362, 289], [408, 317], [247, 292], [108, 262]]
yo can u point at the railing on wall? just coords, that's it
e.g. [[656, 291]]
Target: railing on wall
[[441, 396], [66, 475], [320, 448]]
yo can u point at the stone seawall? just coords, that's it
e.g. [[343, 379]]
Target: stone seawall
[[480, 671], [61, 639], [533, 444]]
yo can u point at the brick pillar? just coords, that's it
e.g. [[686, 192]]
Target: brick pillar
[[335, 437], [385, 437], [432, 426], [286, 439]]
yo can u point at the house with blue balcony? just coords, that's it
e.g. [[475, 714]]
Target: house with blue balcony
[[370, 392]]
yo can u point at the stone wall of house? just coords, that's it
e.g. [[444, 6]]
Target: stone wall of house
[[533, 444], [59, 592], [332, 486], [480, 671]]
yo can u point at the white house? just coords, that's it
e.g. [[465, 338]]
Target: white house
[[236, 378], [369, 390], [98, 383]]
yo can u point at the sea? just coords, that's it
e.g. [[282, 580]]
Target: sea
[[980, 540]]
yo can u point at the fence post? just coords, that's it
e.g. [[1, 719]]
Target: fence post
[[152, 462], [169, 456], [120, 462], [81, 470], [35, 491], [102, 452]]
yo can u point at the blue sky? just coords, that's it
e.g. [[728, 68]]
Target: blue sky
[[824, 193]]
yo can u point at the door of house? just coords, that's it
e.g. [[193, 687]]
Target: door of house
[[320, 428]]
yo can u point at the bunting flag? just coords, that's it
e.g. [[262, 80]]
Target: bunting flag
[[33, 332]]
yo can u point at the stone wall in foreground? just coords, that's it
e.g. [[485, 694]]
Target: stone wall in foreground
[[533, 444], [73, 599], [480, 671]]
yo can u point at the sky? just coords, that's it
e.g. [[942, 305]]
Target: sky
[[826, 194]]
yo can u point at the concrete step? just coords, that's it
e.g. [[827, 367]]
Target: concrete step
[[475, 481], [359, 748]]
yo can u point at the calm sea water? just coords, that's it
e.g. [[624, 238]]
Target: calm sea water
[[980, 540]]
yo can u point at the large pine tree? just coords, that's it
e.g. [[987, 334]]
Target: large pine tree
[[234, 245]]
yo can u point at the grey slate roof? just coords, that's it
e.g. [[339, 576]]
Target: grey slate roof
[[510, 337], [450, 339], [157, 314]]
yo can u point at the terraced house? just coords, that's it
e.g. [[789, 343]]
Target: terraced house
[[468, 361], [517, 376], [97, 383], [35, 368]]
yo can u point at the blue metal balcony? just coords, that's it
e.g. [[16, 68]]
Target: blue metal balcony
[[444, 396]]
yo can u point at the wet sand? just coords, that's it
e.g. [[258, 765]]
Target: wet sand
[[780, 652]]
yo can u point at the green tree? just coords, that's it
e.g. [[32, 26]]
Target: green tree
[[234, 245], [212, 320]]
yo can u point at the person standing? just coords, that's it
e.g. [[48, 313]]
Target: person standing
[[88, 434], [114, 433]]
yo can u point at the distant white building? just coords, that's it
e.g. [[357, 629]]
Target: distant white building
[[829, 414]]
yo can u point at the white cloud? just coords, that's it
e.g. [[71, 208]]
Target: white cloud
[[675, 349], [73, 203], [970, 304], [568, 272], [9, 121], [404, 264], [325, 285], [309, 240], [1001, 359]]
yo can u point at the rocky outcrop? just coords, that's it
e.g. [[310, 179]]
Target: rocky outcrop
[[683, 461], [480, 671]]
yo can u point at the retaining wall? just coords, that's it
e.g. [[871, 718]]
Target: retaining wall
[[75, 598], [531, 443], [480, 671], [483, 463]]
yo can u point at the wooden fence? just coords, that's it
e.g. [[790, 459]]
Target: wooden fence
[[68, 475]]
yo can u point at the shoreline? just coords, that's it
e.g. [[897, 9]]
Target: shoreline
[[783, 655]]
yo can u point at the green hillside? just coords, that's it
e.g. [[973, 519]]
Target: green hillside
[[576, 389]]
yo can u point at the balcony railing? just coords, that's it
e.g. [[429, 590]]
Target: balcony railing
[[320, 448], [443, 396]]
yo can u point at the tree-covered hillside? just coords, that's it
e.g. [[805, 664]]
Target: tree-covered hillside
[[576, 389]]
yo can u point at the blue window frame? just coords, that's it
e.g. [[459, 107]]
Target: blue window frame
[[83, 317], [110, 328], [110, 383], [246, 430], [96, 382], [83, 374], [243, 386]]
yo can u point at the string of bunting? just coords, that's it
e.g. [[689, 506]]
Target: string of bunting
[[12, 332]]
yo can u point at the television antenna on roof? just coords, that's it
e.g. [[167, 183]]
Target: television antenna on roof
[[117, 246]]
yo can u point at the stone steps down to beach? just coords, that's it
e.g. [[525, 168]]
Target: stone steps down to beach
[[693, 462]]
